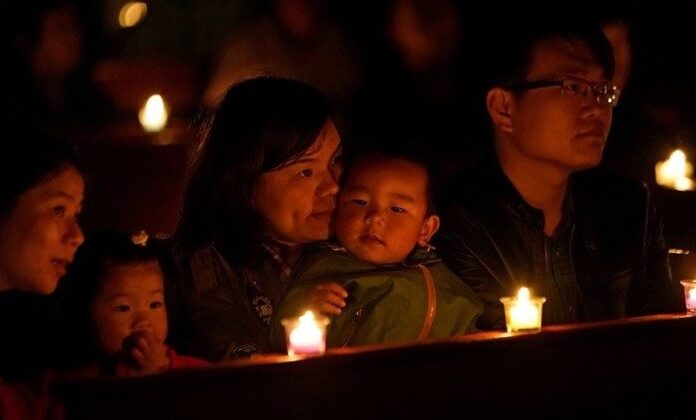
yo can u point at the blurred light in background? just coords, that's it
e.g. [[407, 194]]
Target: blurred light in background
[[675, 172], [153, 116], [132, 13]]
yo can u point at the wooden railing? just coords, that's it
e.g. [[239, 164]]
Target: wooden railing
[[629, 368]]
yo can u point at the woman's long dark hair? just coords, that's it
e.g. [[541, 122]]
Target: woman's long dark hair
[[260, 125], [35, 156]]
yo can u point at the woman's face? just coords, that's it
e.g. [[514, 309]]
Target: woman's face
[[297, 201], [40, 234]]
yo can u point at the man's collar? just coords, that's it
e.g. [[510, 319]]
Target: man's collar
[[504, 190]]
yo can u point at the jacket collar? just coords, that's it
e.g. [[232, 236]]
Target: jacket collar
[[507, 196], [420, 255], [580, 190]]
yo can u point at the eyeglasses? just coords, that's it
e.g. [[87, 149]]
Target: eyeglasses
[[602, 92]]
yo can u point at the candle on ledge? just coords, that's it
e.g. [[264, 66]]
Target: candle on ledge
[[689, 295], [523, 313], [306, 334], [675, 172]]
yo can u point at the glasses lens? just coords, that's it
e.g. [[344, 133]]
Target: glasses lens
[[606, 94], [576, 86]]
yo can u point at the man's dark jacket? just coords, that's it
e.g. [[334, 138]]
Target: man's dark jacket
[[617, 246]]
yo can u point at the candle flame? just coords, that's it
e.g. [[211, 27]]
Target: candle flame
[[523, 294], [307, 318], [153, 116], [692, 293], [307, 337], [132, 13], [675, 172]]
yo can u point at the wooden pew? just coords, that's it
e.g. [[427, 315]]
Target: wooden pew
[[629, 368]]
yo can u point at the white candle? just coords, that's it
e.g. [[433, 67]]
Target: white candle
[[690, 295], [523, 313], [691, 300], [307, 335]]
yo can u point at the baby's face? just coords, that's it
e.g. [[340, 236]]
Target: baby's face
[[382, 210], [132, 299]]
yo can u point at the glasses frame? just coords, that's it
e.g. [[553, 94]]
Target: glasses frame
[[598, 89]]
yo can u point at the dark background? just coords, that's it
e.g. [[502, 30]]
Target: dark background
[[136, 178]]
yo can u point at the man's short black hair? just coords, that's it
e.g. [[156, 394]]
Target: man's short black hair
[[510, 53]]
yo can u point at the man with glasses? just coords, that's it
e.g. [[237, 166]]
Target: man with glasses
[[538, 213]]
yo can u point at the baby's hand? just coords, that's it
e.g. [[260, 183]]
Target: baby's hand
[[327, 298], [145, 352]]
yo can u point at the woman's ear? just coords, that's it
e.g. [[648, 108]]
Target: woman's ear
[[500, 105], [430, 225]]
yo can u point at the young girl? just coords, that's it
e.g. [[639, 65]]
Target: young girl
[[114, 304], [383, 283]]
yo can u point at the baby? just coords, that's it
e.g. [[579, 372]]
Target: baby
[[115, 323], [382, 282]]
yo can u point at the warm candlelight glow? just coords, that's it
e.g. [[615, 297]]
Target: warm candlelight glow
[[132, 13], [523, 313], [675, 172], [523, 294], [690, 295], [153, 116], [306, 335]]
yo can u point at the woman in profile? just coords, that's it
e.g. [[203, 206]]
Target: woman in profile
[[41, 192]]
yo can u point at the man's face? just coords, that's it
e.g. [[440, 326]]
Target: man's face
[[553, 126]]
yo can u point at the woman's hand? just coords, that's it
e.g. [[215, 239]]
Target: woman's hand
[[145, 353], [327, 298]]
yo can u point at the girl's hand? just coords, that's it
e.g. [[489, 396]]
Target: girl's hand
[[327, 298], [146, 353]]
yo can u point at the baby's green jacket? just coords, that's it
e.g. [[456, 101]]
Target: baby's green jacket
[[394, 303]]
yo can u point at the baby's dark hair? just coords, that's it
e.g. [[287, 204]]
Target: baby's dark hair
[[107, 249], [100, 253], [394, 148]]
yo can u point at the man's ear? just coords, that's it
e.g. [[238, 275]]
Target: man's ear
[[430, 225], [500, 105]]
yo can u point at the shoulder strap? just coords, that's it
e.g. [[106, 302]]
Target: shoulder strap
[[432, 302]]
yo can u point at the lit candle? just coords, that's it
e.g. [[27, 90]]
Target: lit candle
[[523, 313], [691, 300], [306, 335], [690, 295], [153, 116], [675, 172], [132, 13]]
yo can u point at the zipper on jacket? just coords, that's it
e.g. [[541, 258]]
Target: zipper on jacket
[[353, 326], [432, 302]]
